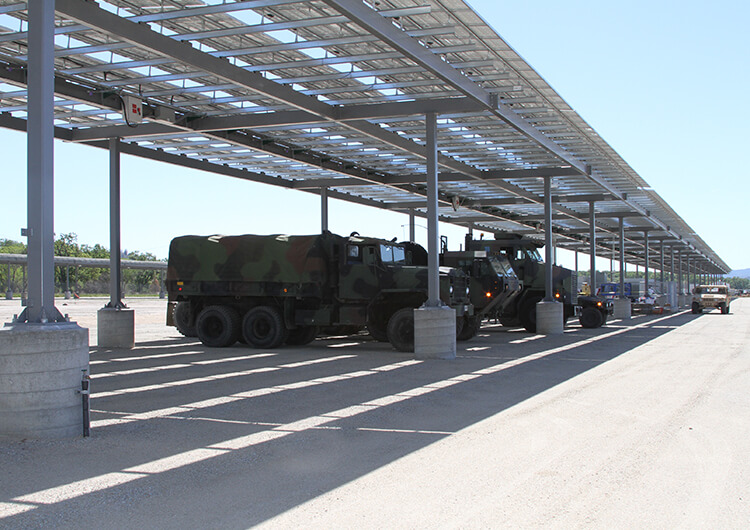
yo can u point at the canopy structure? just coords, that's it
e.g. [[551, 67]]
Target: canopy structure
[[330, 97]]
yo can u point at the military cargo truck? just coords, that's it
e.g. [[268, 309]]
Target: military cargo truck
[[523, 255], [493, 285], [270, 290]]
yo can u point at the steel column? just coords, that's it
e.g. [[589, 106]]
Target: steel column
[[412, 225], [645, 257], [548, 278], [622, 257], [671, 266], [115, 270], [661, 263], [679, 271], [433, 235], [40, 170], [323, 209], [592, 246]]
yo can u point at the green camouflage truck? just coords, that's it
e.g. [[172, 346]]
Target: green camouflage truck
[[523, 254], [275, 289], [493, 285]]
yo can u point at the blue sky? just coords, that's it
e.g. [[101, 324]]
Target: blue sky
[[663, 83]]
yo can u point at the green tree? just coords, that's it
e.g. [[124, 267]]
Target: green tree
[[14, 272], [139, 279], [738, 283]]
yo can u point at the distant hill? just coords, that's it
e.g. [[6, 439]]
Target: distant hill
[[742, 273]]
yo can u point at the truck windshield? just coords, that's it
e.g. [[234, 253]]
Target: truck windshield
[[528, 253], [711, 290], [392, 254], [501, 266]]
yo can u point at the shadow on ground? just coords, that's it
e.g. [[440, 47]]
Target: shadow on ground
[[231, 437]]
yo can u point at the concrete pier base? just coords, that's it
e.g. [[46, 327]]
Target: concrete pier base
[[549, 318], [9, 295], [622, 308], [435, 333], [684, 300], [41, 366], [115, 328]]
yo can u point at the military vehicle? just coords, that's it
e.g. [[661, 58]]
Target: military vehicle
[[269, 290], [709, 297], [493, 285], [523, 255]]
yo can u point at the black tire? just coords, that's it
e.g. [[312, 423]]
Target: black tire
[[302, 335], [470, 328], [376, 332], [218, 326], [184, 320], [724, 309], [401, 330], [696, 308], [591, 317], [527, 314], [263, 327]]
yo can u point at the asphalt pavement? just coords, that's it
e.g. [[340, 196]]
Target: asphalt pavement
[[637, 424]]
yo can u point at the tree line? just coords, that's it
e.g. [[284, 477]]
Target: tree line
[[81, 280]]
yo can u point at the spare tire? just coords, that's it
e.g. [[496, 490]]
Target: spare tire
[[591, 317]]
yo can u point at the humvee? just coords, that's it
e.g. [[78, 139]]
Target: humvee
[[709, 297]]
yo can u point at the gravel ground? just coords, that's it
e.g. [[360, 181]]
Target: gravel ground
[[637, 425]]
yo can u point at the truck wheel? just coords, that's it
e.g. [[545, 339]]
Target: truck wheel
[[302, 335], [263, 327], [401, 330], [183, 319], [218, 326], [470, 328], [527, 314], [696, 308], [724, 309], [591, 317]]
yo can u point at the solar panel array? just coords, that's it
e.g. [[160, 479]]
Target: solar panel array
[[332, 94]]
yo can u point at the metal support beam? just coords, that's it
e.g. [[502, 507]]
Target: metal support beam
[[548, 277], [671, 266], [323, 209], [592, 246], [661, 263], [40, 173], [433, 236], [115, 270], [412, 225], [645, 258], [622, 257]]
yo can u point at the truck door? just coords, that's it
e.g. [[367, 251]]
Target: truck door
[[358, 278]]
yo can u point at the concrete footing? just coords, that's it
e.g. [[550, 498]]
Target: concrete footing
[[435, 333], [622, 308], [9, 295], [683, 300], [115, 328], [549, 318], [41, 366]]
